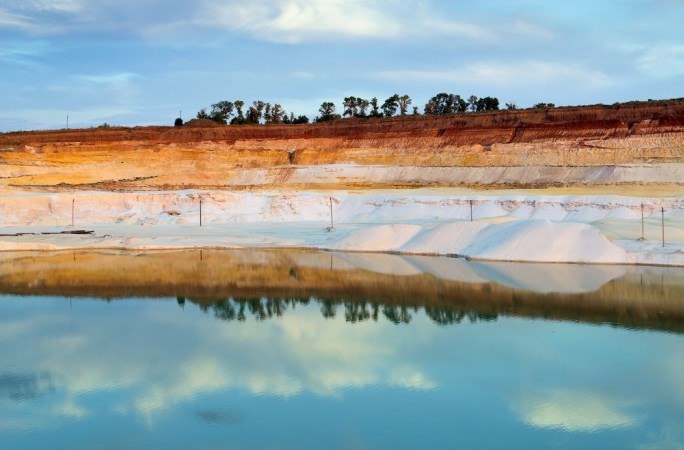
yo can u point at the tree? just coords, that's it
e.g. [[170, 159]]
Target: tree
[[375, 109], [239, 118], [404, 101], [511, 105], [361, 107], [256, 111], [300, 119], [443, 104], [178, 122], [487, 104], [221, 112], [327, 111], [202, 114], [415, 111], [267, 113], [544, 105], [389, 108], [472, 103], [349, 105], [277, 113]]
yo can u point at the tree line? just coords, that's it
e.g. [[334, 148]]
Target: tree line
[[234, 112]]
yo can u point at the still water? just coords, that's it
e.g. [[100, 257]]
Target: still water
[[294, 349]]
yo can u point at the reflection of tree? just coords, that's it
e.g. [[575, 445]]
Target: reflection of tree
[[396, 314], [20, 386], [263, 308], [446, 316], [328, 309]]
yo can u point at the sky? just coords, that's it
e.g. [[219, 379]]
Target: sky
[[141, 62]]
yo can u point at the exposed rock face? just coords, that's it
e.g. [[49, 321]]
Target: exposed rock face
[[622, 144]]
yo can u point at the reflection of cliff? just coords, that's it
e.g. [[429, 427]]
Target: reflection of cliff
[[241, 156], [447, 288]]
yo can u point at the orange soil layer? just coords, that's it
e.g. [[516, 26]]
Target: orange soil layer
[[205, 157]]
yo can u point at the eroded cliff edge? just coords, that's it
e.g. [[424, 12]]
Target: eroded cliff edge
[[628, 144]]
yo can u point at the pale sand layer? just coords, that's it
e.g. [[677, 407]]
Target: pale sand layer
[[524, 226]]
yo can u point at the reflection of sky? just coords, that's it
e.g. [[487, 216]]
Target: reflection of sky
[[133, 373]]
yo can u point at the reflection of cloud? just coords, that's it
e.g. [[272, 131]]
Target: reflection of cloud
[[71, 409], [282, 358], [574, 411]]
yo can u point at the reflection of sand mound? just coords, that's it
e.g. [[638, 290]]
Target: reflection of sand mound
[[543, 278]]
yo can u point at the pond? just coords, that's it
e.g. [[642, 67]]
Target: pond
[[304, 349]]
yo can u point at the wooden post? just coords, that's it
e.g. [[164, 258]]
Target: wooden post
[[471, 210], [662, 223], [642, 222], [72, 211], [332, 224], [200, 211]]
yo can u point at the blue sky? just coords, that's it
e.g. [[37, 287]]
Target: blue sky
[[137, 62]]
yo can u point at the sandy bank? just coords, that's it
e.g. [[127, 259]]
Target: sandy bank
[[513, 227]]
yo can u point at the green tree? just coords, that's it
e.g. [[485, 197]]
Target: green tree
[[362, 107], [375, 109], [300, 119], [239, 118], [221, 111], [202, 114], [443, 104], [349, 105], [404, 102], [178, 122], [327, 112], [277, 113], [544, 105], [487, 104], [390, 106], [256, 111], [472, 103]]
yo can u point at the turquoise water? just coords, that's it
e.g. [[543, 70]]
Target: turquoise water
[[173, 373]]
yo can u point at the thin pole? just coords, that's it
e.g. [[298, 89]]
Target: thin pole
[[332, 225], [200, 211], [67, 122], [662, 223], [72, 211], [471, 210], [642, 222]]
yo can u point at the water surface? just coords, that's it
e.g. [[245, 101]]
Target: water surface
[[291, 349]]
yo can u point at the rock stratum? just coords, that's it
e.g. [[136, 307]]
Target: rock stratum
[[627, 144]]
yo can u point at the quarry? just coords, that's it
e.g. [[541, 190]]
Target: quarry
[[594, 184]]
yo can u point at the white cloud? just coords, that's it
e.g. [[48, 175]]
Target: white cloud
[[294, 21], [662, 61], [494, 73], [467, 30], [58, 6], [574, 411], [532, 29], [112, 79]]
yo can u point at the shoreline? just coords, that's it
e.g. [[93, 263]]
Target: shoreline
[[474, 224]]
